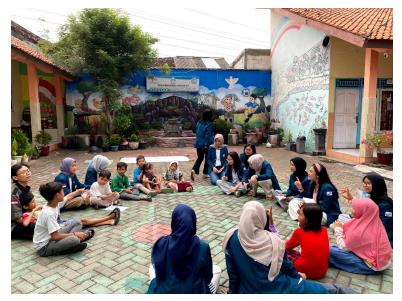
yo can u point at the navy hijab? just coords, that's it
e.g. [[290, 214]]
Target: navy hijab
[[379, 188], [301, 166], [182, 246]]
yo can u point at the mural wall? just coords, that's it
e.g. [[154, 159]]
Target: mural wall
[[225, 91], [300, 78]]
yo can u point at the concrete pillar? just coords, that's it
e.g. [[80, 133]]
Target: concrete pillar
[[59, 107], [34, 104], [369, 102]]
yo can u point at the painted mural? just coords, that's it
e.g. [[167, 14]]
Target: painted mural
[[300, 79], [225, 91]]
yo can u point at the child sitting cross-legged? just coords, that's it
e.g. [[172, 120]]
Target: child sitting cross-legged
[[100, 193], [173, 178], [150, 181], [49, 237], [313, 241], [120, 184]]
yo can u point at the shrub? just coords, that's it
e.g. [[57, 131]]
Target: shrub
[[43, 138], [115, 139], [22, 141]]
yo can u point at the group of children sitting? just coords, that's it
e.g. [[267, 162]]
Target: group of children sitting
[[363, 238]]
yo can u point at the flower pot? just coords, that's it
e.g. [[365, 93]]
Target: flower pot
[[18, 159], [114, 148], [384, 158], [273, 139], [133, 145], [293, 147], [44, 151], [142, 145]]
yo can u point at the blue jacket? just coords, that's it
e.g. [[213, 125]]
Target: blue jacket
[[75, 183], [266, 173], [204, 133], [228, 173], [211, 158], [327, 198], [243, 159], [136, 173], [91, 176], [247, 276], [386, 216], [196, 283], [294, 191]]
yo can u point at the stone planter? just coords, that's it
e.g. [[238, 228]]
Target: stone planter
[[233, 139], [273, 139], [18, 159], [133, 145], [384, 158], [114, 148]]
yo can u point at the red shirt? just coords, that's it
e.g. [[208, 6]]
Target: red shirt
[[314, 248]]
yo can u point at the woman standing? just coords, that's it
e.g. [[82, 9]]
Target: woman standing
[[204, 137]]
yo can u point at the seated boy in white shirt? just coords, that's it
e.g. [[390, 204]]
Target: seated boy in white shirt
[[100, 193], [49, 237]]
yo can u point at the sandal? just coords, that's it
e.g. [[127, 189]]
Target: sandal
[[117, 216], [89, 234]]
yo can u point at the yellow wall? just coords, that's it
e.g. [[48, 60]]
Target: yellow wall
[[347, 61]]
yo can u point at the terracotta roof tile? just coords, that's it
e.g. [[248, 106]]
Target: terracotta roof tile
[[370, 23], [18, 44]]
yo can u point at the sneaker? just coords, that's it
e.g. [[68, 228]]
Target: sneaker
[[167, 190], [146, 198], [237, 194], [205, 176], [75, 249], [152, 194], [192, 175]]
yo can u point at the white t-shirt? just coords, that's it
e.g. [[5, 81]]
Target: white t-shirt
[[218, 158], [98, 190], [46, 224], [235, 178]]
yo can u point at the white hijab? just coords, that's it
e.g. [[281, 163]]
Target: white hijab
[[261, 245], [256, 161], [220, 138], [100, 162]]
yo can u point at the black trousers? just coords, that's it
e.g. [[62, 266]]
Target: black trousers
[[21, 232], [201, 154]]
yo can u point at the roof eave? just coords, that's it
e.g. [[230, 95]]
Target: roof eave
[[351, 38]]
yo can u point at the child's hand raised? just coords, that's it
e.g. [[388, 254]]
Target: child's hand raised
[[298, 184], [345, 193]]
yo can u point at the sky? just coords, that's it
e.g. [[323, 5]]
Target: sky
[[223, 32]]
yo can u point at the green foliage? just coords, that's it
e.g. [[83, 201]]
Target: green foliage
[[134, 138], [165, 69], [86, 86], [144, 126], [72, 130], [43, 138], [281, 134], [122, 122], [115, 139], [156, 125], [22, 141], [102, 43], [14, 148], [221, 126], [187, 125], [260, 92], [81, 143], [288, 138]]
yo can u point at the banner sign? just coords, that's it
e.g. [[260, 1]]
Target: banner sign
[[171, 84]]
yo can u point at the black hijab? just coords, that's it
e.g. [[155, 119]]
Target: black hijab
[[301, 166], [379, 188]]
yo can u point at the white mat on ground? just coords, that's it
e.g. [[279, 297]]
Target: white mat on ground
[[110, 208], [156, 159]]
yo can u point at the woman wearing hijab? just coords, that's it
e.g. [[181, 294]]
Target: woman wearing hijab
[[182, 262], [260, 173], [375, 188], [69, 179], [217, 158], [97, 164], [256, 261], [362, 243], [320, 191]]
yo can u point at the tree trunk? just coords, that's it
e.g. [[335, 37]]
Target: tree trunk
[[108, 118]]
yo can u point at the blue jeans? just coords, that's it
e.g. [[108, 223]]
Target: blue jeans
[[349, 262], [215, 177]]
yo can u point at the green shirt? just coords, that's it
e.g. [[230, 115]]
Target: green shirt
[[119, 183]]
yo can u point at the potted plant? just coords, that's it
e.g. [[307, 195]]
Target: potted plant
[[289, 141], [106, 144], [115, 141], [43, 139], [14, 153], [223, 127], [34, 152], [281, 136], [133, 141], [375, 141], [273, 136], [21, 144]]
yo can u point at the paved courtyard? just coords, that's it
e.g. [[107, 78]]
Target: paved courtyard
[[118, 257]]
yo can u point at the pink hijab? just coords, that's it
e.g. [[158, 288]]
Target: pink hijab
[[365, 234]]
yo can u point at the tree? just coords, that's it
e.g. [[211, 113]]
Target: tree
[[86, 88], [101, 43], [261, 92]]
